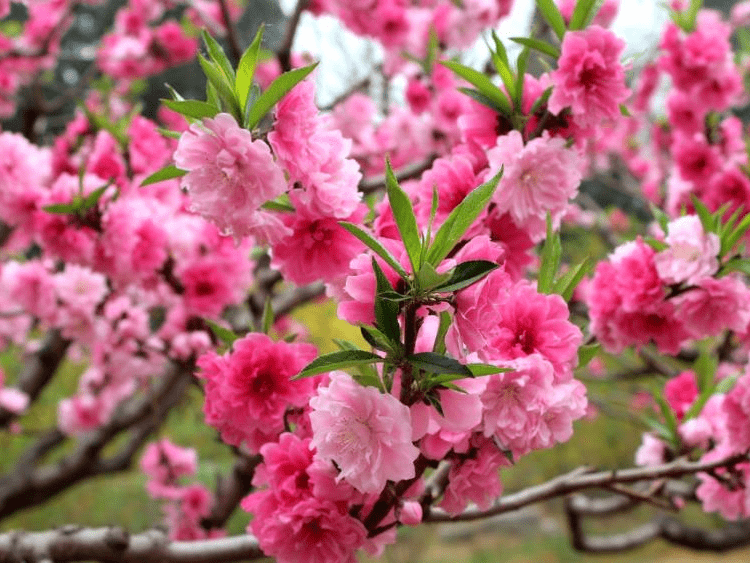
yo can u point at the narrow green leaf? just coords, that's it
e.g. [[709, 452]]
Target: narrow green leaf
[[166, 173], [582, 14], [624, 111], [586, 353], [218, 56], [439, 364], [566, 284], [224, 89], [735, 265], [93, 198], [538, 45], [500, 49], [246, 70], [192, 108], [277, 90], [338, 360], [460, 219], [725, 385], [550, 258], [728, 242], [656, 244], [500, 61], [378, 340], [344, 344], [551, 13], [446, 320], [386, 311], [540, 101], [670, 418], [169, 133], [479, 370], [428, 278], [268, 316], [282, 204], [224, 334], [466, 274], [521, 63], [373, 244], [703, 213], [503, 108], [64, 208], [369, 380], [480, 81], [661, 218], [403, 215]]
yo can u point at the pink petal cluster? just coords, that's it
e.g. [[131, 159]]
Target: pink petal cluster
[[230, 176], [366, 433], [249, 389], [692, 253], [539, 177], [590, 79]]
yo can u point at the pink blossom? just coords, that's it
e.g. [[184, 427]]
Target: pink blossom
[[249, 389], [539, 177], [365, 432], [165, 462], [589, 78], [229, 175], [680, 392], [318, 248], [692, 253], [12, 400], [475, 479], [310, 530], [652, 451], [714, 305]]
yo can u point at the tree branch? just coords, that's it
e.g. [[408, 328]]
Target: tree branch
[[582, 479], [38, 370], [284, 54], [27, 485], [117, 545]]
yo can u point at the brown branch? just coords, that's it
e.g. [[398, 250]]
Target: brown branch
[[117, 545], [28, 485], [582, 479], [38, 370], [234, 42], [230, 490], [284, 54], [409, 172]]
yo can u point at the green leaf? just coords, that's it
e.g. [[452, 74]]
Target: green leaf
[[369, 380], [669, 416], [500, 60], [168, 133], [428, 278], [338, 360], [224, 89], [586, 353], [582, 14], [735, 265], [466, 274], [218, 56], [403, 215], [624, 111], [540, 101], [93, 198], [551, 13], [373, 244], [521, 63], [439, 364], [386, 311], [344, 344], [725, 385], [550, 258], [707, 219], [446, 320], [224, 334], [64, 208], [661, 218], [378, 340], [503, 108], [277, 90], [566, 284], [656, 244], [166, 173], [281, 204], [539, 45], [479, 370], [460, 219], [730, 239], [500, 49], [268, 316], [246, 70], [481, 82]]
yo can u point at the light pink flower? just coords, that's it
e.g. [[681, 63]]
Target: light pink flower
[[366, 433], [714, 305], [539, 177], [692, 253], [229, 175], [590, 78]]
